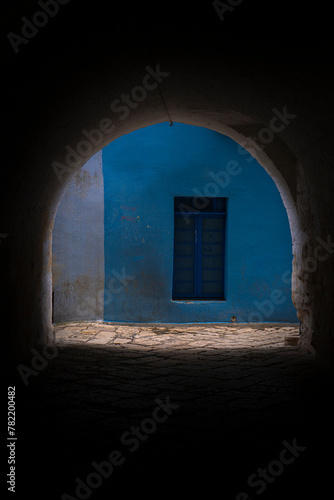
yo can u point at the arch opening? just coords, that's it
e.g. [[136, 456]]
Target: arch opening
[[247, 152], [35, 327]]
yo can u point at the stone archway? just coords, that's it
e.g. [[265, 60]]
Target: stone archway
[[193, 90]]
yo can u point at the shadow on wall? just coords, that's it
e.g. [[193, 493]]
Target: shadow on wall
[[78, 247]]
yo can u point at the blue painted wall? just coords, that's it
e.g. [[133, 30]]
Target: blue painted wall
[[143, 172]]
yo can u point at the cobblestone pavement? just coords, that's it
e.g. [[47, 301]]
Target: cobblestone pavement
[[188, 336], [189, 408]]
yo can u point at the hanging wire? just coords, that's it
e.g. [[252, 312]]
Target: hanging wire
[[163, 100]]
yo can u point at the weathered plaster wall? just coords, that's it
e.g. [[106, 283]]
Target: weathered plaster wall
[[78, 247], [143, 171]]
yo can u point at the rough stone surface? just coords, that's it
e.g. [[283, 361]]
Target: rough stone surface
[[240, 393]]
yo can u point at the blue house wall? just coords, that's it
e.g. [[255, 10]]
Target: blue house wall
[[143, 172]]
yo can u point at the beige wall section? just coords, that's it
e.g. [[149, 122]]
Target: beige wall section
[[78, 247]]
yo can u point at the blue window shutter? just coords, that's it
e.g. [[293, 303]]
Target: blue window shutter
[[199, 248]]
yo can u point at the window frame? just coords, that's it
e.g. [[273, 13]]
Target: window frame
[[198, 216]]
